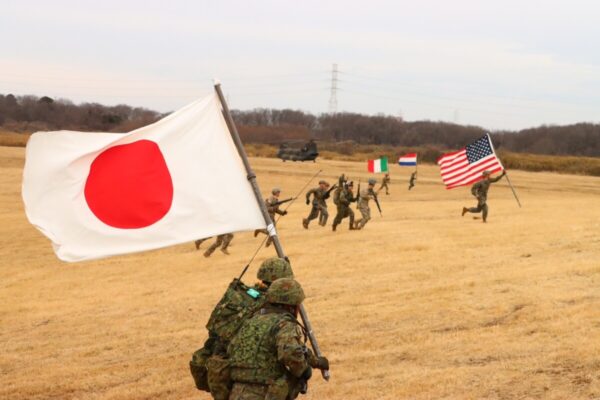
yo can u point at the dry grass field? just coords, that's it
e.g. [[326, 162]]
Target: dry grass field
[[421, 304]]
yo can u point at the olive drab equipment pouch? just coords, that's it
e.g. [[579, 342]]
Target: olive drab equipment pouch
[[278, 390], [198, 369], [336, 195], [238, 304], [219, 377]]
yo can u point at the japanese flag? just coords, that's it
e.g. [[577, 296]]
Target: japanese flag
[[101, 194]]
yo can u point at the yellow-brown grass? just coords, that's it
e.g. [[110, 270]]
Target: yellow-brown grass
[[13, 139], [421, 304]]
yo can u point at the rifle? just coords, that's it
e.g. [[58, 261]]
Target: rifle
[[328, 192], [376, 201], [280, 202]]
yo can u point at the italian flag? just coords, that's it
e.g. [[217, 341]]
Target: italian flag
[[378, 165]]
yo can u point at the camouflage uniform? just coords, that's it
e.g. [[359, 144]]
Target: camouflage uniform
[[343, 209], [413, 178], [384, 183], [267, 357], [480, 191], [222, 241], [210, 362], [319, 205], [363, 205], [272, 209]]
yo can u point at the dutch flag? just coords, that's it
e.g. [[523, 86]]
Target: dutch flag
[[408, 159]]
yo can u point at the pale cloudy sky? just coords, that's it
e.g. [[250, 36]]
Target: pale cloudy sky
[[498, 64]]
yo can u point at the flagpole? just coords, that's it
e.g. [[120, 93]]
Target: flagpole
[[505, 173], [263, 208], [417, 163]]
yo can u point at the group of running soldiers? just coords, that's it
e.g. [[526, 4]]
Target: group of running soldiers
[[343, 196], [255, 347]]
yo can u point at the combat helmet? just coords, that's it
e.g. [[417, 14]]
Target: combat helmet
[[372, 181], [285, 291], [486, 173], [276, 190], [274, 268]]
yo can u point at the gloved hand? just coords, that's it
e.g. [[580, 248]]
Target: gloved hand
[[307, 202], [317, 362], [321, 363]]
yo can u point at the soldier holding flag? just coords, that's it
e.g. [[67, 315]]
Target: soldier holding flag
[[480, 191]]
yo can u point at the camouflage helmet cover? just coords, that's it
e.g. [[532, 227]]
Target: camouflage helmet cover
[[372, 181], [275, 190], [285, 291], [486, 173], [274, 268]]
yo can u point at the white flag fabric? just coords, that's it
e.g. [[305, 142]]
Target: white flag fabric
[[102, 194]]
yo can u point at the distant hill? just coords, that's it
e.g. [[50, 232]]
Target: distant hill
[[32, 113]]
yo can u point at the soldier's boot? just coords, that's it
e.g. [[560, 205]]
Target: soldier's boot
[[484, 215], [209, 251], [333, 226], [256, 232], [305, 223], [224, 250], [464, 211], [198, 243]]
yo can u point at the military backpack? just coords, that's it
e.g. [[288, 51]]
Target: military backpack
[[336, 195], [237, 305], [239, 302]]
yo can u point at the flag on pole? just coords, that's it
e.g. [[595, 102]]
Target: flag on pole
[[101, 194], [465, 166], [408, 159], [378, 165]]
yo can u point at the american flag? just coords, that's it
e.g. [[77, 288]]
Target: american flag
[[465, 166]]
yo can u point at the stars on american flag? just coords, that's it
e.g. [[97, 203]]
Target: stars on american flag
[[479, 149]]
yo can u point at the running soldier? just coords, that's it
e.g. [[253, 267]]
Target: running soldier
[[319, 204], [267, 357], [222, 241], [413, 178], [384, 183], [272, 204], [363, 203], [480, 191], [346, 197]]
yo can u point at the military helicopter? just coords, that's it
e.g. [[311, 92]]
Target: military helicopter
[[308, 152]]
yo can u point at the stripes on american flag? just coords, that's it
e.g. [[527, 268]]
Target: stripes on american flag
[[464, 167]]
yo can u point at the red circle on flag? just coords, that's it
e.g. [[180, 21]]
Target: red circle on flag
[[129, 186]]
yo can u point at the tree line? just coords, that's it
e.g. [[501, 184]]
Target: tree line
[[276, 126], [32, 113]]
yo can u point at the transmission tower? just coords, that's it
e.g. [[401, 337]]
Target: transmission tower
[[333, 97]]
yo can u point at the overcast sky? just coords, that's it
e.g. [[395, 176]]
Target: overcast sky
[[498, 64]]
